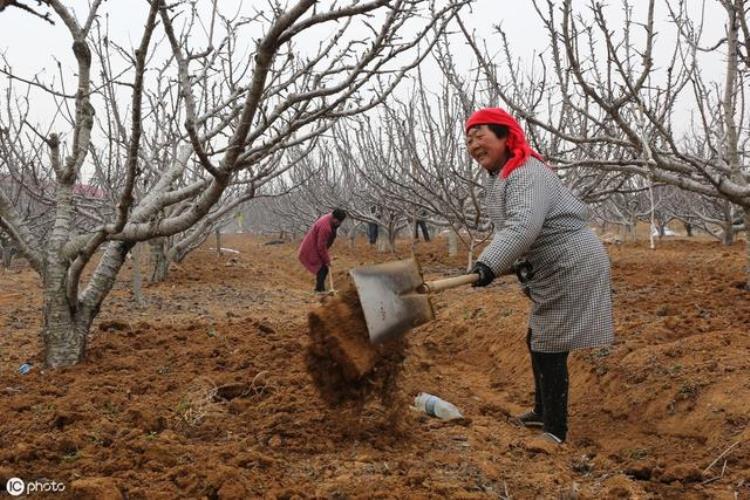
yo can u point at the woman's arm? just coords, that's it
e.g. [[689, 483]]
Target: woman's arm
[[527, 200]]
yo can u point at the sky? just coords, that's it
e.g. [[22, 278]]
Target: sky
[[33, 47], [31, 44]]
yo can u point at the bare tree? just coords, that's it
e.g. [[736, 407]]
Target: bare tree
[[20, 4], [600, 102], [287, 98]]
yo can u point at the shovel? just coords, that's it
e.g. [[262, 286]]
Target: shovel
[[395, 298]]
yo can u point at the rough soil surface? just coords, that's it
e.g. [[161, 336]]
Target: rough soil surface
[[208, 392]]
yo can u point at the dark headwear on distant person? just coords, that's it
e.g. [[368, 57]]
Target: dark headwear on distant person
[[339, 214]]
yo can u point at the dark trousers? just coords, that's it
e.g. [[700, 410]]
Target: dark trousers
[[550, 389], [372, 232], [320, 279], [425, 234]]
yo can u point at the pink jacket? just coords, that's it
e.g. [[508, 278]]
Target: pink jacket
[[313, 252]]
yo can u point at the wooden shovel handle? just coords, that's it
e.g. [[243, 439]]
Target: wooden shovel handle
[[447, 283]]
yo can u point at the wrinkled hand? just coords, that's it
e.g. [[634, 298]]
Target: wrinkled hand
[[485, 274]]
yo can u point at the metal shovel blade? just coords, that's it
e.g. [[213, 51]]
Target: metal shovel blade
[[389, 298]]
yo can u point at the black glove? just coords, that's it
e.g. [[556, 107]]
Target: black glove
[[523, 270], [485, 274]]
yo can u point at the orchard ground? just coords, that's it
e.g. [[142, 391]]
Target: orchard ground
[[204, 392]]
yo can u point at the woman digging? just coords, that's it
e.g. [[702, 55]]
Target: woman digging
[[538, 218]]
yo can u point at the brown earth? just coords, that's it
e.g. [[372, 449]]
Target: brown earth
[[206, 391]]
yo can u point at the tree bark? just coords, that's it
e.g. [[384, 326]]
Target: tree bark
[[382, 244], [452, 243], [470, 256], [159, 261], [64, 334], [8, 254], [727, 234], [727, 225], [352, 236], [137, 275], [392, 235], [64, 331], [632, 230]]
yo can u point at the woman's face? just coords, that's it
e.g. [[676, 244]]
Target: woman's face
[[484, 146]]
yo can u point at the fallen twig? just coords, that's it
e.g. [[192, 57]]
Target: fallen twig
[[507, 495], [720, 457], [224, 249], [716, 478]]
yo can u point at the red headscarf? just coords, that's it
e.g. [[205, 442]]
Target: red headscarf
[[516, 141]]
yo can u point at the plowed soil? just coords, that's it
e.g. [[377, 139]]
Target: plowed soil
[[209, 390]]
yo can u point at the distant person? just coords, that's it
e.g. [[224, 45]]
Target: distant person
[[421, 224], [313, 252], [372, 227], [537, 217]]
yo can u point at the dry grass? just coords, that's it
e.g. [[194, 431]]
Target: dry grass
[[197, 403]]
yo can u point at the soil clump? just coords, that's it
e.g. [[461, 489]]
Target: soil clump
[[342, 362]]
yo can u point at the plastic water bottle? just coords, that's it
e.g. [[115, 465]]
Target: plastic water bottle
[[436, 407], [24, 368]]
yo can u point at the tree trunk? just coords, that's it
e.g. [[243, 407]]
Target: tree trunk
[[240, 219], [412, 228], [727, 233], [8, 253], [64, 335], [689, 229], [7, 249], [727, 225], [137, 275], [217, 231], [353, 235], [452, 243], [63, 332], [387, 243], [470, 257], [631, 231], [652, 242], [159, 261], [747, 248], [392, 234]]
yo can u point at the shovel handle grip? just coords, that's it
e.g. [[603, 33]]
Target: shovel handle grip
[[448, 283]]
